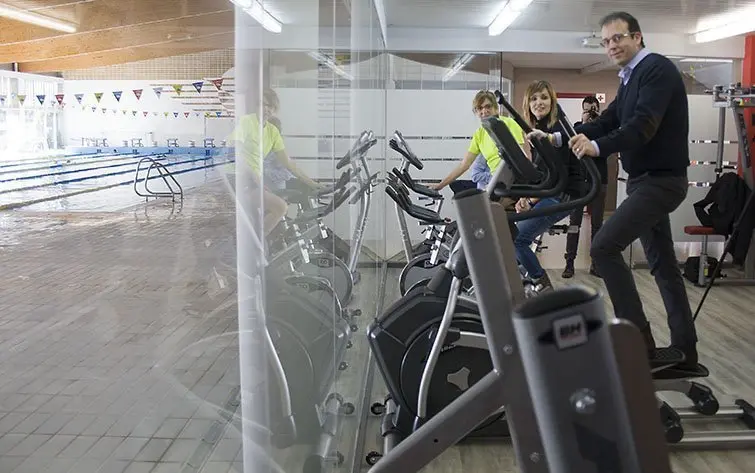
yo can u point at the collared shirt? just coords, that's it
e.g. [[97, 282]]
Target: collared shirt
[[624, 74], [626, 71]]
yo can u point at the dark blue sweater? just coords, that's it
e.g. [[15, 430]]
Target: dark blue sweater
[[648, 122]]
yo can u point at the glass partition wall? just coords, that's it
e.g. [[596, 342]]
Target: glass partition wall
[[308, 288]]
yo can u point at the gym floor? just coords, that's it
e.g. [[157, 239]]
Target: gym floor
[[119, 350]]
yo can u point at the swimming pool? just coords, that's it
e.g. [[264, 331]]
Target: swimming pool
[[101, 181]]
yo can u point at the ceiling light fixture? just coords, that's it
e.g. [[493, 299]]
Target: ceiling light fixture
[[327, 61], [506, 17], [24, 16], [731, 24], [458, 65], [708, 60], [255, 9]]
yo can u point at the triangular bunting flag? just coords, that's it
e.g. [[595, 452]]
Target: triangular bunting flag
[[59, 98], [196, 114], [175, 114], [218, 114], [117, 94], [218, 83], [146, 113], [178, 88], [21, 99], [154, 113], [186, 114], [104, 110], [98, 96], [125, 112], [41, 99], [94, 109], [166, 114], [198, 86], [134, 112], [138, 93], [2, 100], [207, 114], [79, 97], [158, 91]]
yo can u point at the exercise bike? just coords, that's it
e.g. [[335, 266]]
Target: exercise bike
[[442, 338], [423, 258], [418, 272], [401, 340], [312, 232]]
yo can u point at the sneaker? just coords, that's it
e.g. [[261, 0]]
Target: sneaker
[[568, 270]]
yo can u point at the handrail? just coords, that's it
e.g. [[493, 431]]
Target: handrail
[[164, 174]]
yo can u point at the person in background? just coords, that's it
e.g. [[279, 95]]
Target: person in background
[[480, 173], [648, 123], [590, 112], [254, 140], [485, 105], [540, 110]]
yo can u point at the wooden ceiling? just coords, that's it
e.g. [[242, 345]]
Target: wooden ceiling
[[119, 31], [114, 32]]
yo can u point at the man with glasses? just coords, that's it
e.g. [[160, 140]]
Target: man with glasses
[[648, 124]]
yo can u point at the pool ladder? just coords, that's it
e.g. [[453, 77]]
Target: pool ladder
[[166, 176]]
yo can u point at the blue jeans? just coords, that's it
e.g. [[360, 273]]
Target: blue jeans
[[529, 230]]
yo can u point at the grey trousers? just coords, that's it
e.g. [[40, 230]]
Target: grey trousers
[[644, 214], [597, 209]]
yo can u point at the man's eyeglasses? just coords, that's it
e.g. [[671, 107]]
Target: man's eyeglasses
[[614, 39]]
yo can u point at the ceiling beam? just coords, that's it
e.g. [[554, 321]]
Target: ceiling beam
[[99, 15], [108, 58], [119, 38]]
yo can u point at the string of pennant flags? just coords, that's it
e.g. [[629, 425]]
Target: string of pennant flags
[[59, 99]]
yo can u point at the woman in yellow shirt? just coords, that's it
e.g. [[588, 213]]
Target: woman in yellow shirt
[[253, 149], [484, 106]]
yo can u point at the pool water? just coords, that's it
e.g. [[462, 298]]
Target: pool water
[[98, 182]]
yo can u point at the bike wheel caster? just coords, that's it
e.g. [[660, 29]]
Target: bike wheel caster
[[348, 409], [704, 400], [356, 313], [354, 327], [343, 366], [673, 432], [372, 458], [349, 344], [377, 409], [672, 424]]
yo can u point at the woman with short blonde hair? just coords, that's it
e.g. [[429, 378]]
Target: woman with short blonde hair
[[485, 105]]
